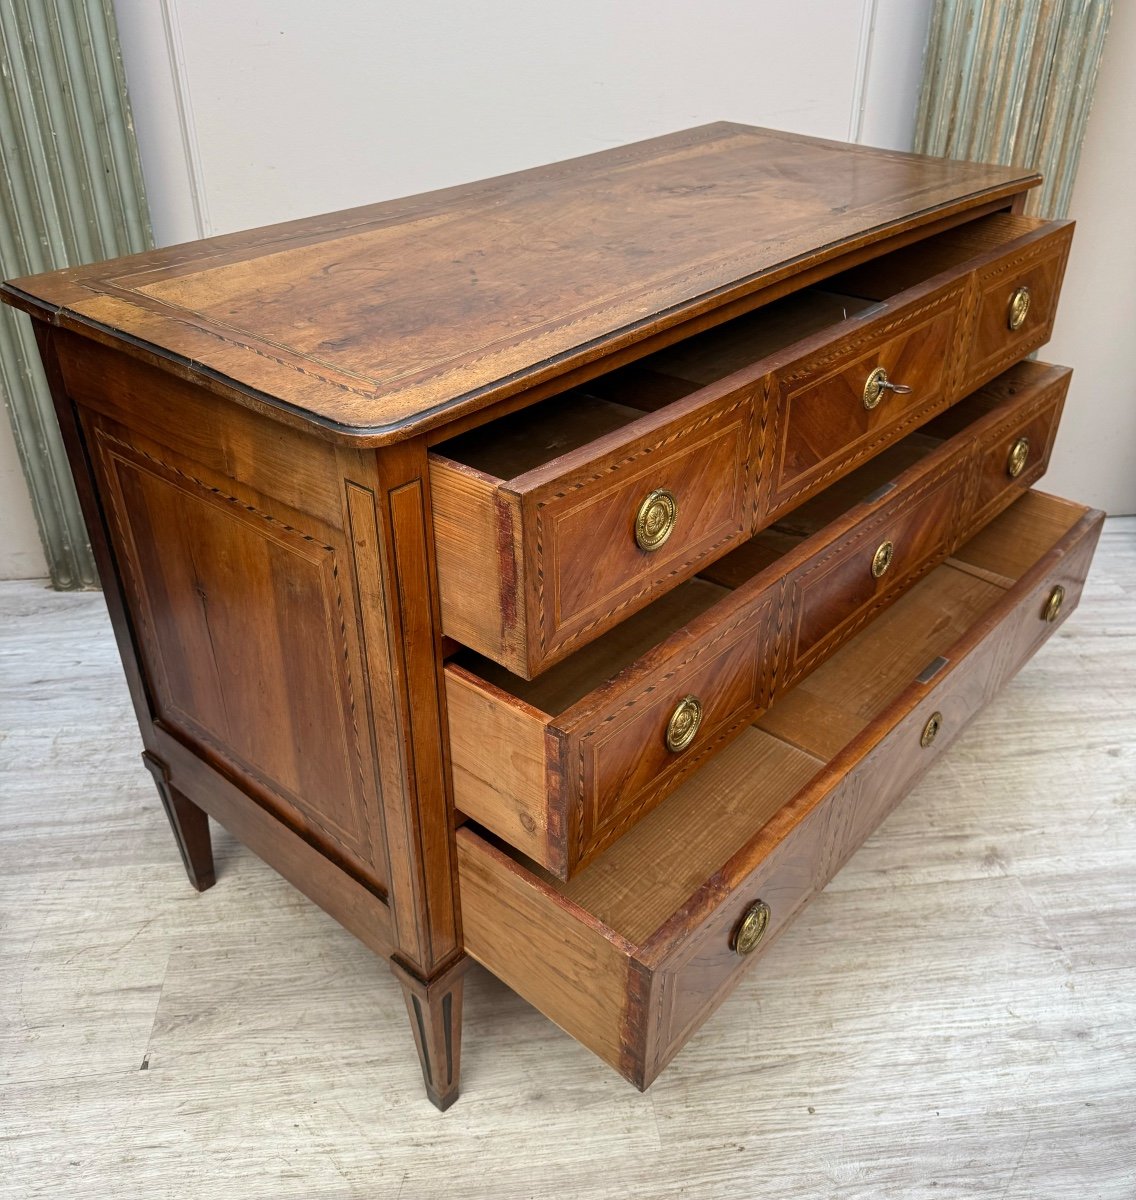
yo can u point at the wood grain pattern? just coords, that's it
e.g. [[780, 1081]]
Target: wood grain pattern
[[834, 702], [1005, 550], [268, 459], [1003, 251], [582, 749], [1038, 262], [988, 236], [508, 914], [588, 571], [1036, 422], [638, 884], [289, 850], [386, 501], [417, 298], [822, 427], [480, 562], [241, 616], [495, 788], [423, 720], [838, 590], [684, 967]]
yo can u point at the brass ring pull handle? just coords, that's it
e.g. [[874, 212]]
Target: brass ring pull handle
[[1019, 308], [684, 723], [1053, 605], [655, 520], [1019, 456], [751, 928], [931, 729], [877, 383], [881, 560]]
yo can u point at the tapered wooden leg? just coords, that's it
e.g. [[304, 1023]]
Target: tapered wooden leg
[[435, 1010], [189, 823]]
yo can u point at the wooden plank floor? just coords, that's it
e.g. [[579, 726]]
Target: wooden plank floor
[[954, 1017]]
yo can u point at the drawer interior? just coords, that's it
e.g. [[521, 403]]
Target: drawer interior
[[895, 272], [551, 429], [636, 885], [562, 685], [536, 436]]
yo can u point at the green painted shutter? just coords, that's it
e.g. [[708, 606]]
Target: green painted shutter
[[72, 192]]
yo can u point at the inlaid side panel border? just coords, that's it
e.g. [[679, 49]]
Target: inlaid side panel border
[[243, 626]]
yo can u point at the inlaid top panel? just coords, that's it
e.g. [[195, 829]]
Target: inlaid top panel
[[382, 321]]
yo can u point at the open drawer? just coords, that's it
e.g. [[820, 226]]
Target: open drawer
[[557, 521], [562, 765], [1017, 265], [635, 952]]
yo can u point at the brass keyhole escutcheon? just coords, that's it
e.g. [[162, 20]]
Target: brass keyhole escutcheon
[[684, 723], [874, 387], [751, 929], [1019, 307], [881, 560], [1053, 604], [877, 383], [931, 729], [655, 520], [1019, 456]]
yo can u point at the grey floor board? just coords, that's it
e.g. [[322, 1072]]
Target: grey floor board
[[955, 1016]]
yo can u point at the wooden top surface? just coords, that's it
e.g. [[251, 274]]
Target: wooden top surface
[[380, 322]]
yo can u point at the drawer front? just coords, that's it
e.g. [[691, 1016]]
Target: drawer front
[[631, 749], [829, 416], [700, 975], [534, 567], [1014, 456], [1014, 303], [841, 588], [562, 784], [589, 533], [706, 968]]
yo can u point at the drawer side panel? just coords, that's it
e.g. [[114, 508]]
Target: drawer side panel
[[561, 960], [477, 533]]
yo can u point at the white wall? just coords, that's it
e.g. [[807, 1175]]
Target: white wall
[[1094, 459], [262, 110], [292, 108], [21, 554]]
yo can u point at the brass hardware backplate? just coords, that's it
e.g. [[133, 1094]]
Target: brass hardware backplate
[[1019, 307], [877, 383], [684, 723], [1053, 604], [931, 729], [751, 929], [881, 560], [1019, 456], [874, 387], [655, 520]]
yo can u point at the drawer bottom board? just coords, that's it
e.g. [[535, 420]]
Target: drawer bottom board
[[633, 954]]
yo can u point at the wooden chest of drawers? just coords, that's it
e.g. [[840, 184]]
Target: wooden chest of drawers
[[568, 571]]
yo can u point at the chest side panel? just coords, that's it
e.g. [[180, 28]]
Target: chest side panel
[[229, 537]]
